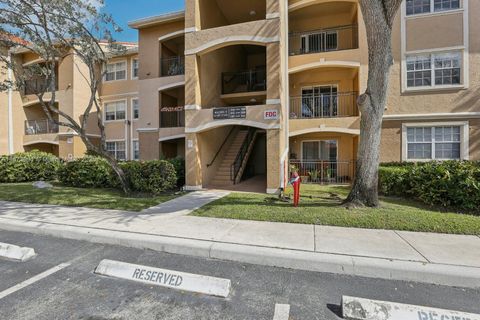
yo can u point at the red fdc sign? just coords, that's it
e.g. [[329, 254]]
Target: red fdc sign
[[270, 115]]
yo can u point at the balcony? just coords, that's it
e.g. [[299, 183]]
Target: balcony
[[245, 81], [173, 66], [323, 40], [172, 117], [37, 127], [324, 172], [333, 105], [36, 86]]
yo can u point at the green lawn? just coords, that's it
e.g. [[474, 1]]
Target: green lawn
[[77, 197], [321, 205]]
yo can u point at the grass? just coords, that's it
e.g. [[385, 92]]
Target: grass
[[321, 205], [77, 197]]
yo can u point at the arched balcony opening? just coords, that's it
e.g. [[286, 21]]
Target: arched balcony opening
[[324, 27], [327, 92], [234, 75], [172, 58]]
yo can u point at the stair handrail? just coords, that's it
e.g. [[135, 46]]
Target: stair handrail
[[237, 164], [221, 147]]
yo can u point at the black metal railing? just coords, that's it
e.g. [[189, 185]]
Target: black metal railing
[[44, 126], [172, 119], [242, 153], [332, 105], [36, 86], [323, 40], [221, 147], [324, 172], [173, 66], [245, 81]]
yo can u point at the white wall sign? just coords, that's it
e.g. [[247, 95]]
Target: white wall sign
[[69, 140], [190, 144], [165, 278], [365, 309], [270, 115]]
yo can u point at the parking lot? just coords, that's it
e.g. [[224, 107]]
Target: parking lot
[[60, 283]]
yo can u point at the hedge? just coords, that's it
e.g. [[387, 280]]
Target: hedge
[[454, 184], [154, 176], [88, 172], [29, 167]]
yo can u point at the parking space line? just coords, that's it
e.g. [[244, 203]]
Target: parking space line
[[282, 312], [32, 280]]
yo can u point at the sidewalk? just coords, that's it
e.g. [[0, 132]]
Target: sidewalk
[[433, 258]]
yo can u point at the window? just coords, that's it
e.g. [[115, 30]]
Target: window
[[444, 68], [135, 150], [319, 42], [447, 68], [116, 71], [419, 71], [320, 101], [117, 149], [115, 111], [135, 108], [418, 7], [134, 68], [430, 143], [444, 5], [425, 6], [319, 150]]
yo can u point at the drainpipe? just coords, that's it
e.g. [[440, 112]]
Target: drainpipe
[[10, 106]]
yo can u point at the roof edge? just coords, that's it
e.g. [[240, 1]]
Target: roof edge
[[159, 19]]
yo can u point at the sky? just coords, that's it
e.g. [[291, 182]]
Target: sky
[[124, 11]]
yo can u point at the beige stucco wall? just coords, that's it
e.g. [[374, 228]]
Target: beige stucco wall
[[149, 48], [345, 144], [449, 26], [391, 143], [211, 39]]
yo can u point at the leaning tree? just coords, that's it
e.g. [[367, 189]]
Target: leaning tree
[[379, 16], [55, 30]]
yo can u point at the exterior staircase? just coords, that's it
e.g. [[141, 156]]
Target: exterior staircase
[[222, 176]]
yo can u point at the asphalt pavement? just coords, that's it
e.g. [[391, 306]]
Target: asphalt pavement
[[74, 291]]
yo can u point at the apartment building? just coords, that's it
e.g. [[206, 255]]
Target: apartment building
[[25, 127], [272, 83], [243, 90]]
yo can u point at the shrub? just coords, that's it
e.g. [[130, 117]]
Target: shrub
[[28, 167], [453, 184], [394, 180], [88, 172], [154, 177]]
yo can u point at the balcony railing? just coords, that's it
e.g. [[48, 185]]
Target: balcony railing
[[323, 40], [324, 172], [35, 86], [324, 106], [44, 126], [245, 81], [173, 66], [172, 119]]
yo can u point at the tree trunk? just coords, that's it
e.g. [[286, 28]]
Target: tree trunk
[[111, 161], [378, 16], [120, 174]]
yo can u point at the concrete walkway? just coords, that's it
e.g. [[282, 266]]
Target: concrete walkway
[[433, 258]]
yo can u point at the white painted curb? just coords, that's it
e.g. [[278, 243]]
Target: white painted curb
[[12, 252], [165, 278], [365, 309]]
